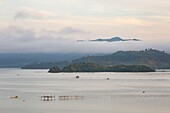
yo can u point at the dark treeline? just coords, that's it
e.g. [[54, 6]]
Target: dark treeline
[[91, 67]]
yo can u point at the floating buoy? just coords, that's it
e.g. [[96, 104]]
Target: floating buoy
[[77, 77]]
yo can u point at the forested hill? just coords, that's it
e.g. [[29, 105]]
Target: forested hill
[[149, 57]]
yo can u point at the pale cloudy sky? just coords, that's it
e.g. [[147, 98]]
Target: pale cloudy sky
[[55, 25]]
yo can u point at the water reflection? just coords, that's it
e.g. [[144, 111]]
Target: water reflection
[[76, 97]]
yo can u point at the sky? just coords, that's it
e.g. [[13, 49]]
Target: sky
[[54, 26]]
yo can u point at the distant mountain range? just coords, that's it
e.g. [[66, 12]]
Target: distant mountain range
[[113, 39], [10, 60], [46, 65], [149, 57]]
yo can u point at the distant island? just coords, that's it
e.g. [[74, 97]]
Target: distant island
[[91, 67], [113, 39]]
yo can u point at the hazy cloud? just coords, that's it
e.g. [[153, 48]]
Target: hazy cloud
[[16, 33], [17, 39], [68, 32], [71, 30], [28, 13], [44, 31], [25, 35]]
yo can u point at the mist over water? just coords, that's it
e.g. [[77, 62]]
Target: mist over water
[[54, 46]]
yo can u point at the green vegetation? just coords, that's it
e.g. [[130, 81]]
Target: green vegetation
[[91, 67], [149, 57], [83, 67]]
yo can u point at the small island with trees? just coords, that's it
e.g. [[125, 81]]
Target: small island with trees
[[92, 67]]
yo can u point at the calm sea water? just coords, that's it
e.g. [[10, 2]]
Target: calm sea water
[[122, 93]]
